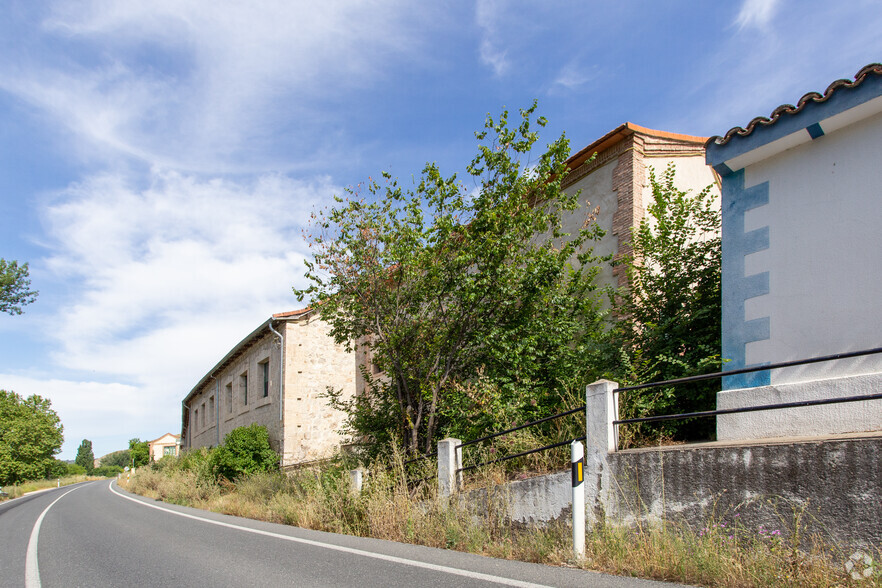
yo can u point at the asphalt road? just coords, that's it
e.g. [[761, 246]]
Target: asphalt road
[[95, 534]]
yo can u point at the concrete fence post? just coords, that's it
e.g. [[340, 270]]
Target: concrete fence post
[[601, 435], [601, 409], [356, 478], [449, 464]]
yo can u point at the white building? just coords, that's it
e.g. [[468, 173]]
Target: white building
[[802, 260]]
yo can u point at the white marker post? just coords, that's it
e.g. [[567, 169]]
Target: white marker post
[[577, 459]]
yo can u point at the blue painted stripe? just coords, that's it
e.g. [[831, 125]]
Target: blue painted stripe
[[815, 130], [736, 243], [722, 169]]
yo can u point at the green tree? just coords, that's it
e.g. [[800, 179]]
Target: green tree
[[443, 282], [85, 458], [30, 435], [245, 450], [14, 287], [672, 309], [139, 451], [121, 458]]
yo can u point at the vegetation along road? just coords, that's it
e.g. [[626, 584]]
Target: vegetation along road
[[95, 534]]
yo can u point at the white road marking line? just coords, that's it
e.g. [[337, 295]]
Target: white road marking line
[[389, 558], [32, 568]]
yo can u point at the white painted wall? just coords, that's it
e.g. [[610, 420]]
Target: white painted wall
[[825, 253]]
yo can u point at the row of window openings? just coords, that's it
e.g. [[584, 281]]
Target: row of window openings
[[243, 388]]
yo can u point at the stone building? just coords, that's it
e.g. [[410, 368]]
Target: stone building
[[801, 262], [295, 350], [615, 184]]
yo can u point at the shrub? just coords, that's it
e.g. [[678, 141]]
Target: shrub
[[107, 471], [245, 450], [74, 469]]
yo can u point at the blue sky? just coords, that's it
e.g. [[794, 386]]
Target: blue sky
[[160, 159]]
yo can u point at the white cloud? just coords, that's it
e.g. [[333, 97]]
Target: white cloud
[[208, 86], [178, 250], [488, 14], [756, 13], [571, 76], [162, 281]]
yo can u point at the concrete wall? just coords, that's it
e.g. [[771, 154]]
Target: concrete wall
[[832, 485], [827, 486], [826, 419]]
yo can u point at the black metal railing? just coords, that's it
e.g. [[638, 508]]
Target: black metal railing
[[518, 428], [749, 370], [688, 415]]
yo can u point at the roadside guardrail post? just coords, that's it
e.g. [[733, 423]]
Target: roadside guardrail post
[[449, 465], [577, 460]]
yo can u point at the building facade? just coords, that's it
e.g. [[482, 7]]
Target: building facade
[[276, 377], [167, 445], [612, 174], [802, 266]]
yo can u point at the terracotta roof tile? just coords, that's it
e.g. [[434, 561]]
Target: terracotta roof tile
[[811, 97], [291, 313]]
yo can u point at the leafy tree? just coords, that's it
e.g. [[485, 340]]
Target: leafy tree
[[85, 458], [107, 471], [671, 311], [14, 287], [70, 469], [443, 282], [30, 435], [139, 451], [245, 450], [121, 458]]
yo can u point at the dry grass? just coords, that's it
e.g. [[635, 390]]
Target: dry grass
[[388, 508], [17, 490]]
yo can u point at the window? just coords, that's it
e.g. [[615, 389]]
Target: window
[[211, 407], [168, 450], [243, 388], [196, 419], [229, 395], [203, 414], [265, 369]]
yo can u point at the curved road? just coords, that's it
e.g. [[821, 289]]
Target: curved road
[[95, 534]]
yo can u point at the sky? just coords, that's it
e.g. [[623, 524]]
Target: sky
[[160, 158]]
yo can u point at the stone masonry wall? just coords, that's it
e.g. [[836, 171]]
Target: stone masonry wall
[[313, 362]]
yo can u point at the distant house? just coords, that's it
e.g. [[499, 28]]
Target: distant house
[[275, 377], [802, 268], [168, 444]]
